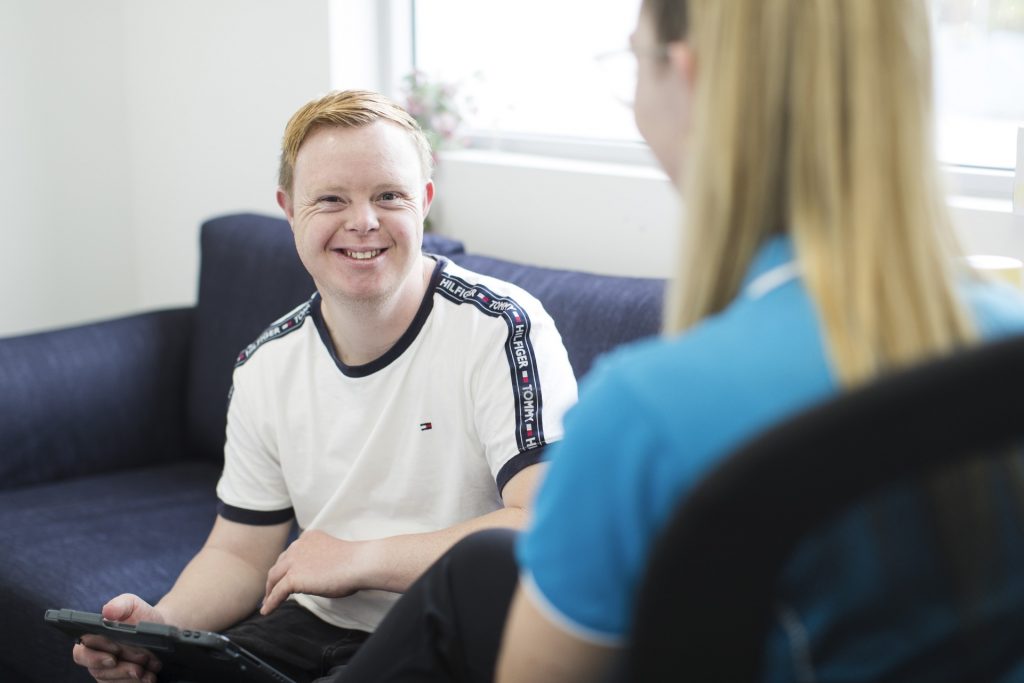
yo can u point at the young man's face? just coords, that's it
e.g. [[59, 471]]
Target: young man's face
[[357, 207]]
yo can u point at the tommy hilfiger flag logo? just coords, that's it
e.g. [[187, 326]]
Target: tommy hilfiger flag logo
[[424, 426]]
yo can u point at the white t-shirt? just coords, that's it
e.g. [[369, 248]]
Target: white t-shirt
[[418, 440]]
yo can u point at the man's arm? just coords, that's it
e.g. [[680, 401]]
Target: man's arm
[[320, 564], [220, 586], [224, 582]]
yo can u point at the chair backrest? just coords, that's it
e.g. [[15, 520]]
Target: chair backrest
[[707, 600]]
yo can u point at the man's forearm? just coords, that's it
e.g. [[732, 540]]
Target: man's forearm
[[320, 564], [396, 562], [216, 590], [224, 582]]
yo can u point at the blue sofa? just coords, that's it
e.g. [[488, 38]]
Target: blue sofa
[[111, 433]]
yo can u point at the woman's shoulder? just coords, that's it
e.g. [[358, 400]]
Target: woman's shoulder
[[746, 340], [642, 366]]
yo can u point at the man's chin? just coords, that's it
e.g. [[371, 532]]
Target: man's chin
[[356, 298], [369, 293]]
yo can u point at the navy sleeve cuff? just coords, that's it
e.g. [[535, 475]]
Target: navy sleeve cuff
[[517, 464], [254, 517]]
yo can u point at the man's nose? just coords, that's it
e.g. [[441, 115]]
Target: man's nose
[[362, 218]]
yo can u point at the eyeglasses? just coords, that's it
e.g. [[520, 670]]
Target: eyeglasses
[[620, 69]]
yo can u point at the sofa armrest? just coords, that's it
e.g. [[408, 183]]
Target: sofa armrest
[[93, 398]]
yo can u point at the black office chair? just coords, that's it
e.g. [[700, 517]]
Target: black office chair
[[730, 539]]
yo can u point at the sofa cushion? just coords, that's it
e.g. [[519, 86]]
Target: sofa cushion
[[250, 276], [593, 313], [80, 542]]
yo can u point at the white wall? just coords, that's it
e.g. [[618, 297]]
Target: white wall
[[604, 218], [615, 218], [210, 87], [66, 248], [124, 124]]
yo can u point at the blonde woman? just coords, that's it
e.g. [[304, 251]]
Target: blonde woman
[[817, 255]]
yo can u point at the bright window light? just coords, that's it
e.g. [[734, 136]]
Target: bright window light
[[979, 62], [531, 67], [534, 68]]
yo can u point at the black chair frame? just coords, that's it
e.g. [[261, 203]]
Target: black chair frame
[[726, 544]]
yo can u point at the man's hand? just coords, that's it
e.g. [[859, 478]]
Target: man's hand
[[317, 564], [107, 660]]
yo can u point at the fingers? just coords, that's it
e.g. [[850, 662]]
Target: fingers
[[139, 656], [276, 594], [99, 643], [103, 666], [276, 572], [107, 660], [125, 673], [120, 608], [271, 594], [315, 563], [131, 609], [92, 657], [104, 648]]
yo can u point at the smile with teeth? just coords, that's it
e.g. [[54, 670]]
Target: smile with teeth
[[363, 255]]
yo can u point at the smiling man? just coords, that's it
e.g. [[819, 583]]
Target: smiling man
[[403, 406]]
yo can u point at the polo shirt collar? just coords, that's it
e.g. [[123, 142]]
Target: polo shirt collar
[[774, 257]]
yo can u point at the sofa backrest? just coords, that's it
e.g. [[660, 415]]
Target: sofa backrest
[[593, 313], [250, 275]]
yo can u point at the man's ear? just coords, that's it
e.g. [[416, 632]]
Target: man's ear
[[683, 62], [284, 200], [428, 197]]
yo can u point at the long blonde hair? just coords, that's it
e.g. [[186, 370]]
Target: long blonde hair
[[813, 118]]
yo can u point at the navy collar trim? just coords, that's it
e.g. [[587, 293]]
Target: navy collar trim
[[403, 343]]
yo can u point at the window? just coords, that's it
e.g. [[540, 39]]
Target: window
[[979, 63], [530, 70], [531, 66]]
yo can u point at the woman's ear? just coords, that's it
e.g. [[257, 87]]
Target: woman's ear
[[683, 62]]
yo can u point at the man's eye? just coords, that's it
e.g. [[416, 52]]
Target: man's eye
[[331, 199], [390, 196]]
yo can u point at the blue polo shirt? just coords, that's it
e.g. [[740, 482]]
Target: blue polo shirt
[[654, 417]]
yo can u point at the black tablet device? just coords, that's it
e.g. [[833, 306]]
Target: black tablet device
[[188, 656]]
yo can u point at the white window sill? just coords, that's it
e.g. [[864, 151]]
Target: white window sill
[[621, 217]]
